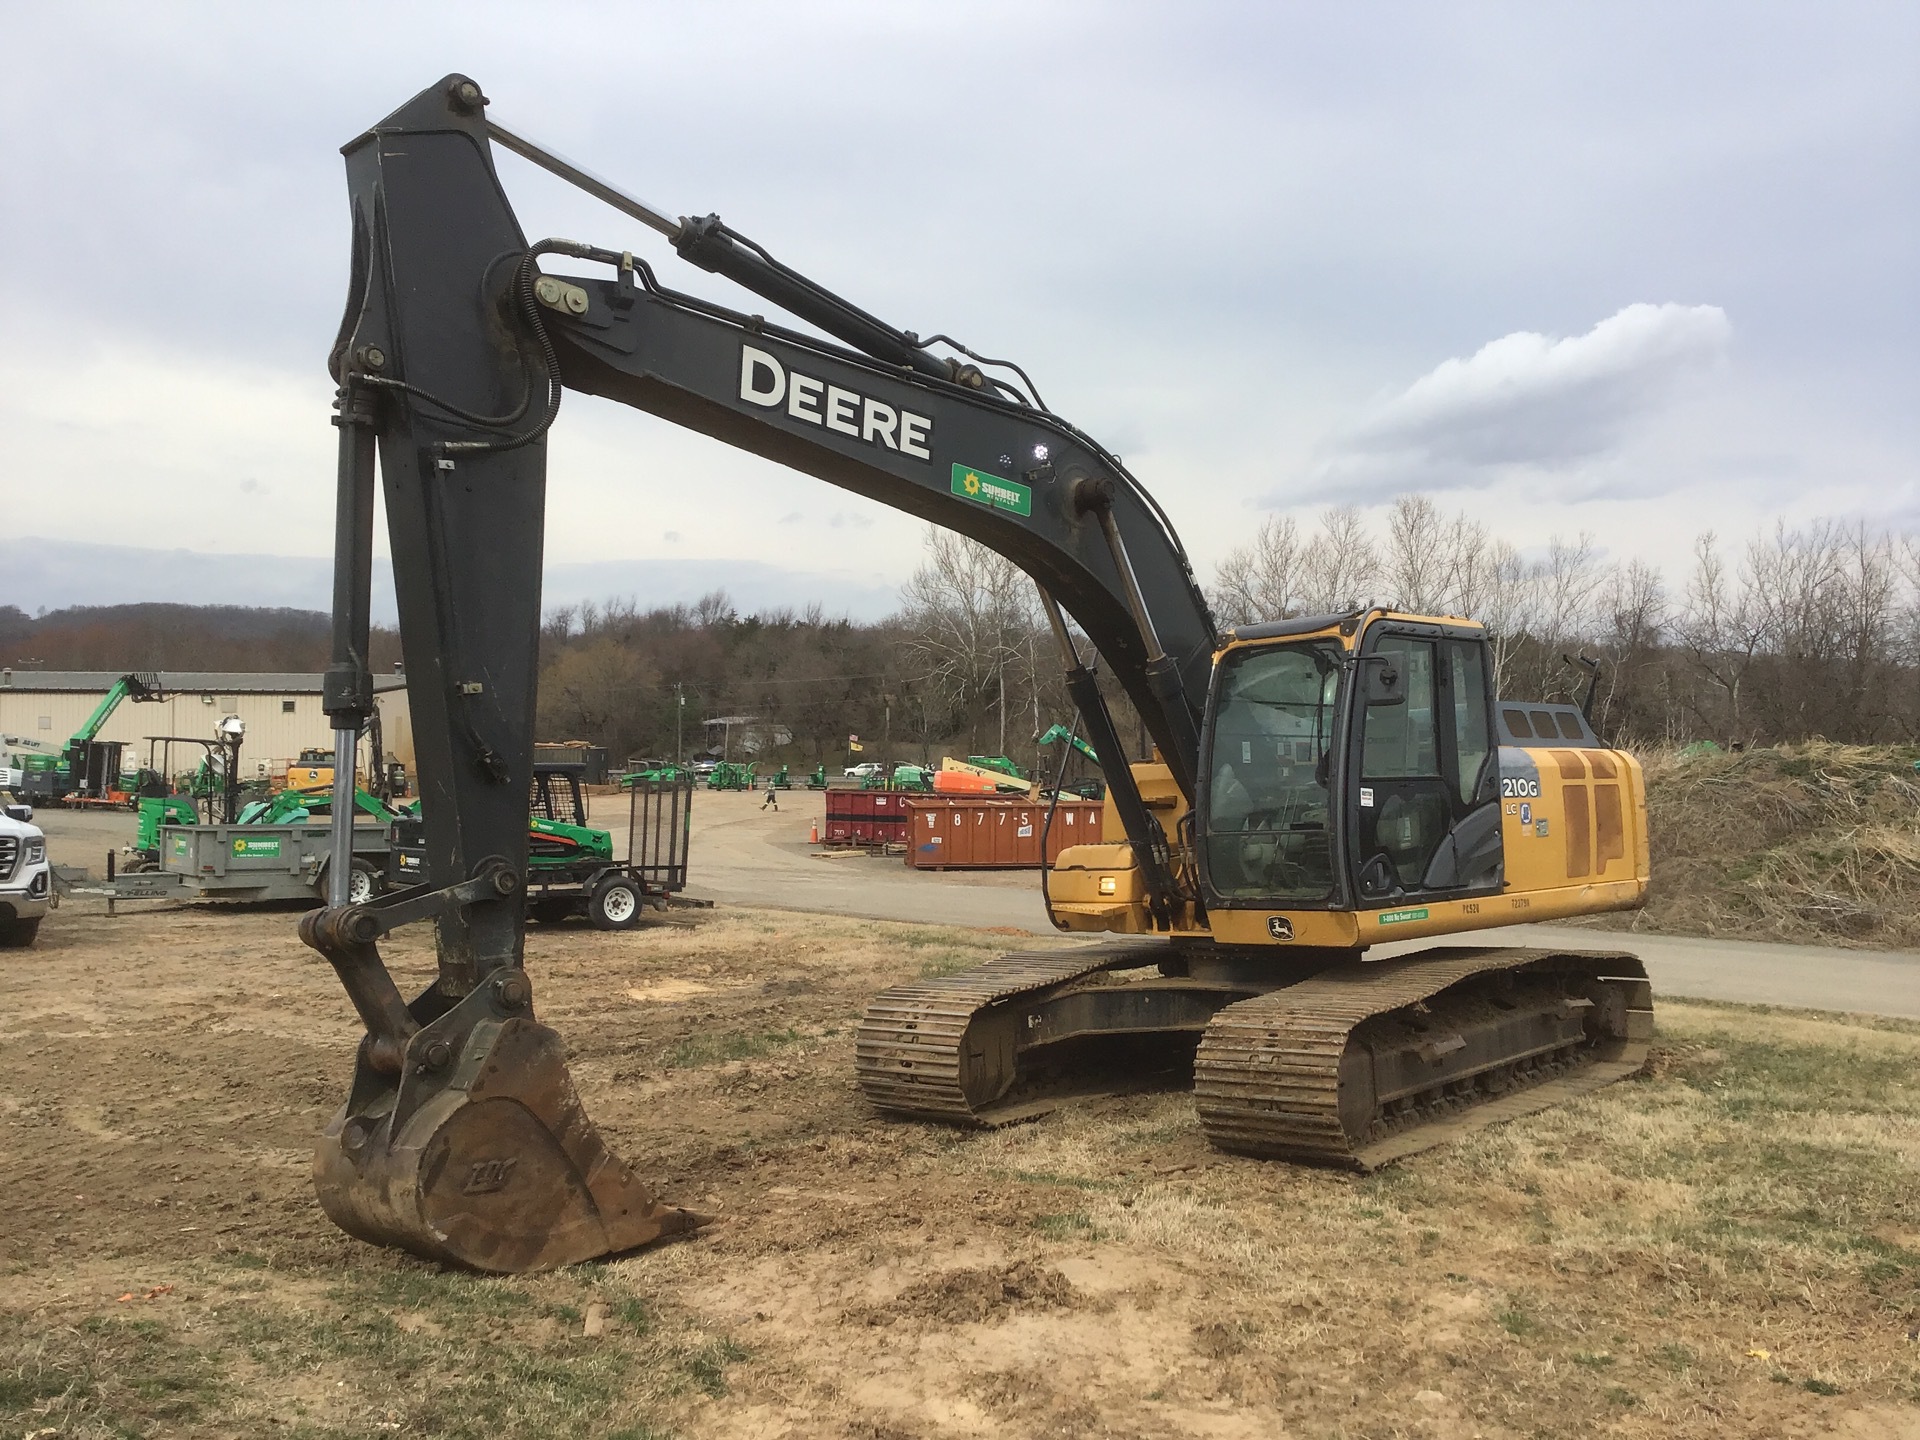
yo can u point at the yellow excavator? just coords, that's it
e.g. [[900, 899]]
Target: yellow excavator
[[1313, 788], [1358, 787]]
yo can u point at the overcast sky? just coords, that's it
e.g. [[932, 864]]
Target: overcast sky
[[1631, 270]]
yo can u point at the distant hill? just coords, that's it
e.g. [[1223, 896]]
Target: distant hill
[[174, 637], [37, 573]]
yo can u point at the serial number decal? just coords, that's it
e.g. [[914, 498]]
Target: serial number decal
[[1513, 786]]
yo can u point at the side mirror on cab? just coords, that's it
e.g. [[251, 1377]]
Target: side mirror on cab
[[1385, 684], [22, 813]]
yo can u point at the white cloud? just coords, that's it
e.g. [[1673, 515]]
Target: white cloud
[[1533, 400]]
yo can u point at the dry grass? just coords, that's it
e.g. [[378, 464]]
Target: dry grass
[[1814, 842], [1655, 1259], [1728, 1246]]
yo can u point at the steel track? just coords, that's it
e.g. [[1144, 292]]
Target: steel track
[[911, 1052], [1275, 1074], [1270, 1073]]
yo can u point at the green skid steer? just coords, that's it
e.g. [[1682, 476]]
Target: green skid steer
[[570, 865]]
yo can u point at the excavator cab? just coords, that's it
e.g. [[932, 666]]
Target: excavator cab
[[1345, 770]]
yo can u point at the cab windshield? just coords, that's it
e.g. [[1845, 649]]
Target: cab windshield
[[1267, 836]]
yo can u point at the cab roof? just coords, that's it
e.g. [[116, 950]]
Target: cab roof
[[1347, 625]]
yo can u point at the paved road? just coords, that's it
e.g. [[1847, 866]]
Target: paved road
[[744, 856]]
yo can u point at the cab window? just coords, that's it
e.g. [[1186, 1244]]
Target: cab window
[[1267, 832], [1404, 807], [1400, 738], [1469, 709], [1425, 817]]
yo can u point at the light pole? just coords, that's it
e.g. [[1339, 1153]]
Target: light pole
[[679, 716]]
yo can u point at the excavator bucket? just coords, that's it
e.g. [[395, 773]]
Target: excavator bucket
[[467, 1144]]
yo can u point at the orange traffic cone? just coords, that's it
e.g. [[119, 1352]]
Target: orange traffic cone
[[814, 838]]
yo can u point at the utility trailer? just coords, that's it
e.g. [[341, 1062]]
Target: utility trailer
[[570, 865], [248, 862]]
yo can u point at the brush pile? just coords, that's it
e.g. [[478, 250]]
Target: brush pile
[[1816, 842]]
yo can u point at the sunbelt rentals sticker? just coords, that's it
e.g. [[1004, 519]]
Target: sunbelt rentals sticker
[[265, 846], [1011, 495]]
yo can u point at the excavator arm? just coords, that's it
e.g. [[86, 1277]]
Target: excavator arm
[[462, 1138]]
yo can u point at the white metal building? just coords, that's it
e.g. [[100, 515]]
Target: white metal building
[[40, 709]]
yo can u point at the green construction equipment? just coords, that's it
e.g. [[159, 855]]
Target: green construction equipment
[[570, 864], [155, 811], [911, 777], [163, 797], [88, 769], [1059, 733], [729, 776], [289, 807], [899, 777], [1086, 789], [656, 775], [1004, 764]]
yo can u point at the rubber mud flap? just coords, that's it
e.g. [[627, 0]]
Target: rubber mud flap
[[498, 1170]]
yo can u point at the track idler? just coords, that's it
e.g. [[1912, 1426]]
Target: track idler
[[463, 1139]]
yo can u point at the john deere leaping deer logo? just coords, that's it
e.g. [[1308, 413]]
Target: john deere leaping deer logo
[[1279, 927]]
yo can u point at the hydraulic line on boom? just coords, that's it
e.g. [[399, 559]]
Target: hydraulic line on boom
[[1314, 787]]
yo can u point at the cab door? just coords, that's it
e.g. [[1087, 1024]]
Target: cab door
[[1424, 807]]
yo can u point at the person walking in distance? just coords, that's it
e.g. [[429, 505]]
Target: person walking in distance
[[773, 797]]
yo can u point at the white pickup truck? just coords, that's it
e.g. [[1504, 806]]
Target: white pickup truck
[[26, 880]]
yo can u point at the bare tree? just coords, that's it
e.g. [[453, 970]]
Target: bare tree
[[1339, 566], [1721, 629], [1497, 590], [1260, 580], [1557, 596], [1416, 566], [970, 616], [597, 691], [1634, 615], [712, 607], [1869, 615], [1904, 552]]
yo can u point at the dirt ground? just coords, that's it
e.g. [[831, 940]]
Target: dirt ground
[[1727, 1247]]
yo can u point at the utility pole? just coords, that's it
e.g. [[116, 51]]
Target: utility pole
[[886, 739], [679, 716]]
